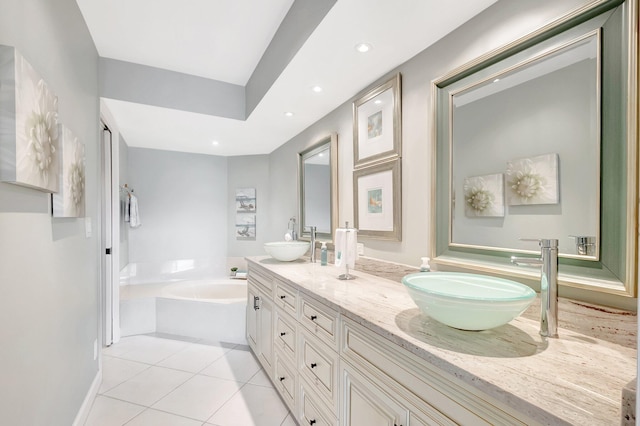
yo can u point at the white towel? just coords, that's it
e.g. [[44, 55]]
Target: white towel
[[134, 214], [346, 242]]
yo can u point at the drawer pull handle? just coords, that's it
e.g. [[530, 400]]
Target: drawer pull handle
[[312, 422], [282, 378], [256, 303], [283, 296], [313, 317], [283, 333], [314, 365]]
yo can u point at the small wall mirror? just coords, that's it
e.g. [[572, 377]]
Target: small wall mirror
[[318, 188], [538, 140]]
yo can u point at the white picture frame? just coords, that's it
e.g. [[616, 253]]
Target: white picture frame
[[378, 201], [376, 124], [70, 201]]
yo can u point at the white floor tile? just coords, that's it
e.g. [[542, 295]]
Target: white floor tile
[[252, 406], [199, 397], [147, 349], [236, 365], [261, 379], [149, 386], [288, 421], [116, 371], [152, 417], [194, 357], [111, 412]]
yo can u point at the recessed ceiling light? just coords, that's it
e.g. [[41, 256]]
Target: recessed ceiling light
[[317, 89], [496, 80], [363, 47], [215, 143], [288, 114], [377, 102]]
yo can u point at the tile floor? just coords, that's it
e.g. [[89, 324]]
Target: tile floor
[[162, 380]]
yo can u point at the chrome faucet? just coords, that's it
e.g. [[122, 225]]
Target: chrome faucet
[[312, 231], [291, 226], [548, 284]]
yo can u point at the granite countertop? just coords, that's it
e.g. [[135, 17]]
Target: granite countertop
[[576, 379]]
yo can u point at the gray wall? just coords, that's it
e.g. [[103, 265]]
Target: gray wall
[[123, 173], [49, 270], [500, 24], [251, 171], [183, 206]]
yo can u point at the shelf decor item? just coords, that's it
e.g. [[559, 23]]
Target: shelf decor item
[[376, 124], [28, 125]]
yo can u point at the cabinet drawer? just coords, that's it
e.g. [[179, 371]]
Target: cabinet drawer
[[263, 280], [285, 380], [319, 364], [310, 411], [319, 320], [286, 298], [285, 337], [432, 393]]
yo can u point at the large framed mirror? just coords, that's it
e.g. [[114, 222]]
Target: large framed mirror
[[318, 188], [539, 140]]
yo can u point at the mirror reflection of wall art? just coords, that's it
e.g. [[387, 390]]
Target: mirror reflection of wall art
[[29, 125], [533, 180], [376, 124], [245, 228], [377, 201], [69, 202], [484, 196]]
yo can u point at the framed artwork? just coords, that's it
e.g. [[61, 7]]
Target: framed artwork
[[28, 125], [69, 202], [533, 180], [378, 201], [246, 200], [245, 227], [376, 124], [484, 196]]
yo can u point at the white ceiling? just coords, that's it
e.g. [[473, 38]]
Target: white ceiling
[[224, 40]]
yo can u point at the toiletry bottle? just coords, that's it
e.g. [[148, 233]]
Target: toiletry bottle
[[323, 254], [425, 265]]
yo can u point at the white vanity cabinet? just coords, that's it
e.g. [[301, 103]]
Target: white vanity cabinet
[[260, 319], [330, 370]]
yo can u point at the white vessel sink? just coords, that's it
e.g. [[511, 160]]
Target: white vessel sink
[[468, 301], [286, 251]]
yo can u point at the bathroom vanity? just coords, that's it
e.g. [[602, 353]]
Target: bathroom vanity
[[360, 353]]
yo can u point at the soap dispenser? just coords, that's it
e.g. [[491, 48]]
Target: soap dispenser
[[323, 254], [424, 267]]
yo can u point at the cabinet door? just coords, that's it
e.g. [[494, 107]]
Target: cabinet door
[[265, 333], [365, 404], [252, 317]]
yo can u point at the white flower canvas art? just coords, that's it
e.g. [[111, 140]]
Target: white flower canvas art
[[533, 180], [28, 125], [484, 196], [69, 202]]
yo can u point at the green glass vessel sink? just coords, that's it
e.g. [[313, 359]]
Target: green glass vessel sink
[[468, 301], [286, 251]]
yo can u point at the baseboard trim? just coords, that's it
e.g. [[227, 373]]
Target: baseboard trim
[[83, 413]]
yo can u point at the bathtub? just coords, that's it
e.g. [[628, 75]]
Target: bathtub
[[209, 309]]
